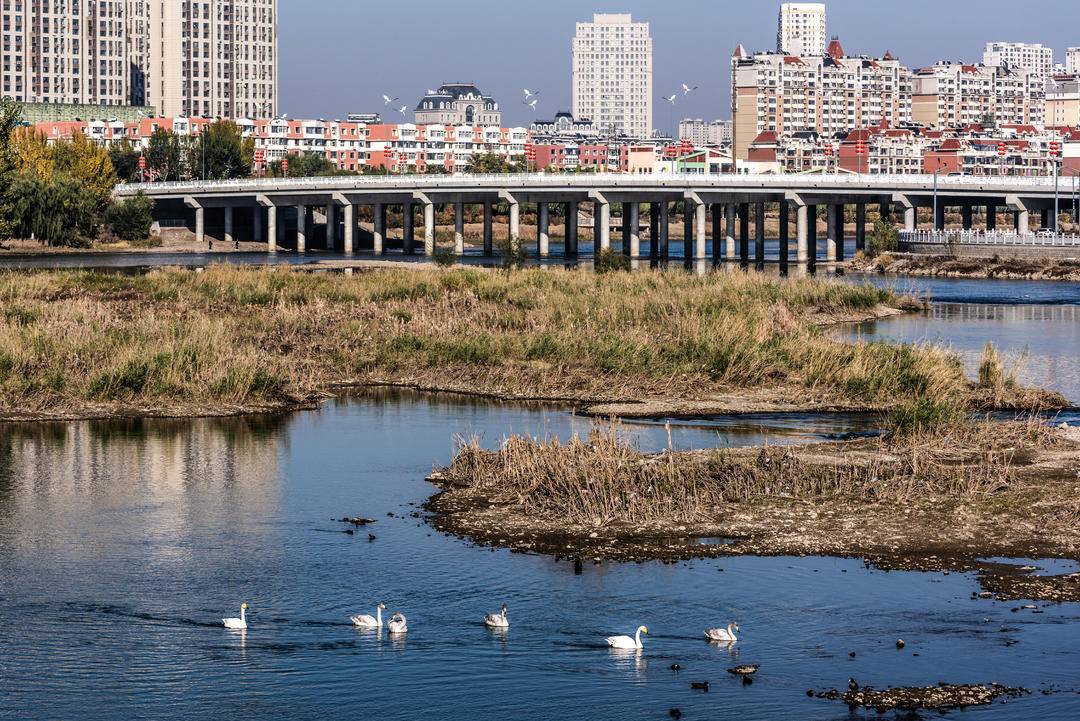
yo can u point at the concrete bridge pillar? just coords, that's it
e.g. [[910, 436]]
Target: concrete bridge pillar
[[543, 238], [459, 228], [966, 215], [717, 232], [784, 234], [379, 226], [301, 228], [802, 232], [271, 228], [699, 235], [634, 224], [571, 228], [811, 236], [1044, 219], [884, 211], [200, 225], [601, 222], [910, 219], [654, 230], [731, 213], [759, 233], [939, 217], [860, 225], [429, 228], [229, 237], [1023, 222], [832, 212], [331, 226], [349, 220], [515, 224], [991, 217], [488, 232], [256, 224], [688, 228], [625, 214], [744, 233], [663, 239], [408, 230]]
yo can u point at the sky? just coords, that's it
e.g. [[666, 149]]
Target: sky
[[341, 56]]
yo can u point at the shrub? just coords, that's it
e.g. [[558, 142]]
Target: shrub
[[512, 252], [608, 260], [883, 238], [131, 218], [444, 257]]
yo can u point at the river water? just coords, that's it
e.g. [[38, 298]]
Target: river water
[[123, 544]]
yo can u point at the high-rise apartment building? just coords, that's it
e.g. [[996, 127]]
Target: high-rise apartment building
[[700, 132], [1072, 61], [612, 74], [64, 51], [801, 29], [954, 94], [184, 57], [1027, 56], [827, 94], [209, 58]]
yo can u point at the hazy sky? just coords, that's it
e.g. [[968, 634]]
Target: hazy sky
[[338, 56]]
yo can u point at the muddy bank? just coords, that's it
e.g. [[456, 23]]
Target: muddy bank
[[943, 508], [943, 697], [979, 268]]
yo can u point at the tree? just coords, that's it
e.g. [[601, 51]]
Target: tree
[[9, 120], [481, 163], [304, 166], [31, 153], [59, 211], [89, 164], [221, 152], [131, 218], [883, 238], [164, 157], [125, 161]]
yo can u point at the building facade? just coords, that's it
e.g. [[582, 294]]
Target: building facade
[[702, 133], [64, 51], [825, 94], [1028, 56], [212, 58], [1072, 61], [956, 95], [613, 74], [801, 29], [457, 104], [1063, 102]]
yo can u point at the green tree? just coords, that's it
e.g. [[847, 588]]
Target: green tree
[[131, 218], [9, 120], [221, 153], [164, 155], [125, 161], [883, 238], [305, 166], [487, 163], [59, 211]]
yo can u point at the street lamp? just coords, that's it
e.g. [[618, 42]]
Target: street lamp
[[1055, 150]]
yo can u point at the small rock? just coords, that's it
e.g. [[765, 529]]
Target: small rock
[[900, 643]]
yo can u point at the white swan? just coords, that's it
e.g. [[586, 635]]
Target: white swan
[[238, 624], [626, 641], [397, 624], [723, 634], [366, 621], [497, 620]]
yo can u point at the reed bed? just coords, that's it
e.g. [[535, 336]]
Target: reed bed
[[602, 479], [237, 336]]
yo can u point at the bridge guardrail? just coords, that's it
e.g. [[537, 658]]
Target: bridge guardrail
[[967, 237]]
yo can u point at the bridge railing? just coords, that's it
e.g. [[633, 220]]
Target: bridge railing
[[688, 180], [979, 237]]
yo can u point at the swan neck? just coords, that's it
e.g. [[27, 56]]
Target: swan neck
[[637, 638], [243, 614], [378, 615]]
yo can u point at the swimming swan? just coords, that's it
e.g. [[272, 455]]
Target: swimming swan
[[397, 623], [366, 621], [238, 624], [626, 641], [497, 620], [723, 634]]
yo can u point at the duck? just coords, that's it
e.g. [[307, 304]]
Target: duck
[[723, 634], [397, 623], [626, 641], [237, 624], [497, 620], [366, 621]]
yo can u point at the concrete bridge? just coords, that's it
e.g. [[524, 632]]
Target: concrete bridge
[[257, 208]]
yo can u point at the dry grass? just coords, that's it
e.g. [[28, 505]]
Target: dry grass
[[602, 480], [241, 336]]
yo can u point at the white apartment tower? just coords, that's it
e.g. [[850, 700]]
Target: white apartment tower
[[1072, 61], [612, 74], [801, 29], [208, 58], [1026, 56], [64, 51]]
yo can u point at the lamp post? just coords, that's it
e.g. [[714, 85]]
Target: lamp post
[[1055, 151]]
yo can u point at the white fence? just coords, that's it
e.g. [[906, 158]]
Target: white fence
[[972, 237]]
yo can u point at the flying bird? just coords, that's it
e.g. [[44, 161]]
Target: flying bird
[[671, 98], [686, 89], [402, 109], [387, 99], [530, 94], [530, 103]]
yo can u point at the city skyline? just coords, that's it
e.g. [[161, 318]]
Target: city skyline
[[519, 50]]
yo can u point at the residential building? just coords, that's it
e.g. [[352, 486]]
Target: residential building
[[564, 125], [612, 71], [1028, 56], [365, 118], [1072, 61], [1063, 101], [952, 94], [827, 94], [64, 51], [701, 133], [213, 58], [457, 104], [801, 29]]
